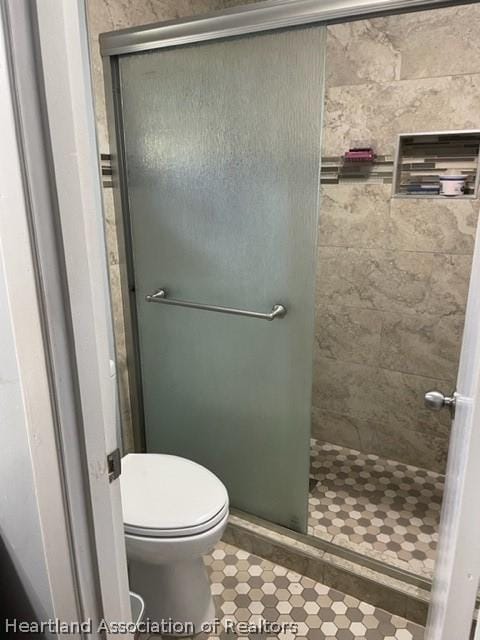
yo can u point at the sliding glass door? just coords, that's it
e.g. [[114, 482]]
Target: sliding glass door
[[222, 153]]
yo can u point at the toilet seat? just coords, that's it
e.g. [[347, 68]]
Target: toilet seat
[[165, 496]]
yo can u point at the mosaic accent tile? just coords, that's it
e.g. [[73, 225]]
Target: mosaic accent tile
[[248, 589], [423, 158], [385, 509], [334, 170]]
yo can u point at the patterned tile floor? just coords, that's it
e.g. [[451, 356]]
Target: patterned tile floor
[[256, 599], [381, 508], [253, 591]]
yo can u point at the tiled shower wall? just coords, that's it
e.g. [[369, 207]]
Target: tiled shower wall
[[392, 274]]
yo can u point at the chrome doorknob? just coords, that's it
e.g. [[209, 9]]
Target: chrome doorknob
[[436, 400]]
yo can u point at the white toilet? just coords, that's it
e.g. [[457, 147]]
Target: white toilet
[[174, 512]]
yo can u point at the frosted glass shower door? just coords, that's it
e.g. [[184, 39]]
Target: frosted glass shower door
[[222, 148]]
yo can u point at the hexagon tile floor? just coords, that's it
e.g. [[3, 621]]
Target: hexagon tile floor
[[253, 591], [379, 507]]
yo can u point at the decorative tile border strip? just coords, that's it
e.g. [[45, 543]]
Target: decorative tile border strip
[[334, 170], [106, 169], [413, 167]]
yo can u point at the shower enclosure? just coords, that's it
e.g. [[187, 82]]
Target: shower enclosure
[[255, 255]]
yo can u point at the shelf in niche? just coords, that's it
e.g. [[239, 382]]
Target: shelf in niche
[[422, 157]]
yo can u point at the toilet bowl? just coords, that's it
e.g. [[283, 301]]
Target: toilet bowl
[[174, 512]]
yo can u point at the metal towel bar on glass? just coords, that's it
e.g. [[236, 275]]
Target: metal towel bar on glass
[[278, 310]]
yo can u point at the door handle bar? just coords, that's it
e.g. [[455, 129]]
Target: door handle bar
[[160, 296]]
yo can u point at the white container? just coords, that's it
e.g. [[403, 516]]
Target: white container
[[452, 184]]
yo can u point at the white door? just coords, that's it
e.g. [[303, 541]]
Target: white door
[[457, 572]]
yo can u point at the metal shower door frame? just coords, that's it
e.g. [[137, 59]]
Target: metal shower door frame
[[255, 18]]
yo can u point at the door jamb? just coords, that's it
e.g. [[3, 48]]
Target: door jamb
[[49, 76]]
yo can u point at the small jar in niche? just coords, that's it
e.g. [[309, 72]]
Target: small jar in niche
[[452, 184]]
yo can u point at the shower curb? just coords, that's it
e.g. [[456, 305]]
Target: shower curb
[[398, 593]]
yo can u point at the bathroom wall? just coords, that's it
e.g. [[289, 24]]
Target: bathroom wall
[[109, 15], [393, 274]]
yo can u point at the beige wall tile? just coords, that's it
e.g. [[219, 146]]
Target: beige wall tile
[[373, 279], [359, 52], [437, 43], [337, 429], [448, 289], [354, 215], [422, 344], [376, 113], [426, 451], [378, 396], [387, 76], [437, 225], [339, 277], [110, 227], [348, 334], [404, 46]]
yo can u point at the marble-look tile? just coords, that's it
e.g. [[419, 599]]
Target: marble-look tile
[[436, 225], [395, 441], [336, 277], [448, 288], [373, 279], [422, 344], [395, 281], [417, 36], [376, 113], [338, 429], [404, 46], [360, 51], [377, 395], [427, 450], [110, 227], [354, 215], [348, 334]]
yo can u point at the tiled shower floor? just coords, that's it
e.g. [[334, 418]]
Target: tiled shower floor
[[382, 508]]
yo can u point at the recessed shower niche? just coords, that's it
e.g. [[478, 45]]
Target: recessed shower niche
[[423, 160]]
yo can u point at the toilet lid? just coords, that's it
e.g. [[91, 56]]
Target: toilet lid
[[165, 496]]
